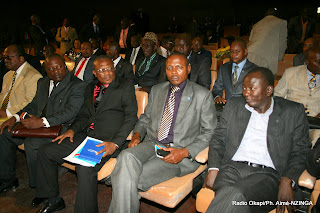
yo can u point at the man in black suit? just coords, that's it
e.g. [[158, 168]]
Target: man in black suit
[[124, 33], [96, 47], [93, 30], [109, 113], [123, 68], [148, 69], [57, 101], [231, 74], [197, 48], [135, 52], [258, 150], [38, 35]]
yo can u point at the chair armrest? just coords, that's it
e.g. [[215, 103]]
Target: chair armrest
[[306, 180], [204, 198], [107, 168], [202, 156]]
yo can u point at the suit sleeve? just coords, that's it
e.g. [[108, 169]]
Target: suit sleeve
[[204, 78], [282, 40], [218, 87]]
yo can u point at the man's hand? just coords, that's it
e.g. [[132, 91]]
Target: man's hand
[[33, 122], [210, 179], [220, 100], [176, 155], [109, 148], [8, 123], [68, 134], [285, 194], [135, 140], [3, 113]]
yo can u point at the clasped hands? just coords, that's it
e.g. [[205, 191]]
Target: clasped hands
[[30, 123]]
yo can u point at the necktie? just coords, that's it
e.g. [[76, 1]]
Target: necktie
[[6, 99], [99, 96], [312, 83], [81, 66], [168, 54], [132, 55], [235, 76], [167, 116]]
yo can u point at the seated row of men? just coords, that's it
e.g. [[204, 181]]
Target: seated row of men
[[263, 145]]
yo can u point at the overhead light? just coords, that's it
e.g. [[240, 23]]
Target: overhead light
[[318, 10]]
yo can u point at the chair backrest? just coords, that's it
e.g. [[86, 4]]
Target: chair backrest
[[142, 101], [285, 63]]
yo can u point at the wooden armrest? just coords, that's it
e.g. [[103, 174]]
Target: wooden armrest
[[107, 168], [202, 156], [306, 180], [204, 198]]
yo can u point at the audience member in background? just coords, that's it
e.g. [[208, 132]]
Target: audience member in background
[[48, 50], [51, 106], [75, 52], [149, 67], [231, 74], [300, 58], [84, 65], [3, 69], [184, 134], [19, 83], [300, 28], [38, 35], [302, 84], [109, 113], [197, 48], [96, 47], [268, 41], [224, 50], [93, 29], [123, 35], [166, 47], [135, 52], [66, 35], [123, 67], [258, 150]]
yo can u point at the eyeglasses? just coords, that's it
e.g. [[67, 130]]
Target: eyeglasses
[[103, 70], [8, 57], [51, 69]]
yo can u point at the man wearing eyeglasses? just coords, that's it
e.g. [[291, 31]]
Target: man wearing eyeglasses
[[57, 101], [109, 113]]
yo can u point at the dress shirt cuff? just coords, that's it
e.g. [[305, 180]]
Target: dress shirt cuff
[[45, 122], [213, 169], [8, 113], [17, 117]]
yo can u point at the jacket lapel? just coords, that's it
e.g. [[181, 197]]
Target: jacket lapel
[[107, 94], [162, 100], [186, 99], [61, 85]]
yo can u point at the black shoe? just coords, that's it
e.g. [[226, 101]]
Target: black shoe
[[37, 200], [52, 207], [4, 186]]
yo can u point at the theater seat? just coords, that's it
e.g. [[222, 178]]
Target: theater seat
[[310, 182]]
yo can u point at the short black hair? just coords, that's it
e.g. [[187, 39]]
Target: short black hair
[[178, 54], [266, 74], [55, 55], [186, 37], [240, 40]]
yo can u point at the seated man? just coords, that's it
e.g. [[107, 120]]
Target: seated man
[[180, 115], [197, 48], [96, 47], [166, 47], [57, 101], [302, 84], [300, 58], [258, 150], [135, 52], [231, 74], [148, 69], [21, 81], [109, 113]]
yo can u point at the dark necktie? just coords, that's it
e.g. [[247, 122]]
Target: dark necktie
[[100, 95]]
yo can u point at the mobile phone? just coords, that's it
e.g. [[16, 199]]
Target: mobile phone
[[160, 153]]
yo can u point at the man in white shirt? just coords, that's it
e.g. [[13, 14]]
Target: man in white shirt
[[134, 53], [258, 150], [84, 65]]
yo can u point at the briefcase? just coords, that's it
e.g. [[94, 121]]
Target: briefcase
[[43, 132]]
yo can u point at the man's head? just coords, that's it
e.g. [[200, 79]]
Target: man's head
[[183, 44], [35, 19], [309, 43], [86, 49], [167, 43], [272, 12], [48, 50], [258, 88], [177, 68], [197, 44], [124, 23], [55, 67], [66, 22], [94, 43], [113, 50], [149, 44], [14, 56], [238, 50], [104, 69], [135, 41], [96, 18], [313, 60]]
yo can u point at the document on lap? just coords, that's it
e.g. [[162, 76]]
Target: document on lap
[[86, 153]]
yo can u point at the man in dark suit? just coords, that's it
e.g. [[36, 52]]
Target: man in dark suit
[[51, 106], [38, 36], [190, 110], [93, 30], [96, 47], [109, 113], [197, 48], [231, 74], [84, 65], [124, 34], [135, 52], [259, 149], [148, 69], [123, 68], [300, 58]]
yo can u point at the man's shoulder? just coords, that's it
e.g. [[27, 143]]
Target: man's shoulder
[[198, 89], [292, 72], [286, 104], [31, 71]]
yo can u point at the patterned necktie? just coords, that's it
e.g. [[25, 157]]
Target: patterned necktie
[[81, 66], [6, 99], [313, 82], [132, 55], [167, 115], [235, 76]]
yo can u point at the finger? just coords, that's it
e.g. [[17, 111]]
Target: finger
[[71, 139], [57, 138], [101, 144]]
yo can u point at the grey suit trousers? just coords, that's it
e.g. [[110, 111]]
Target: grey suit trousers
[[137, 168]]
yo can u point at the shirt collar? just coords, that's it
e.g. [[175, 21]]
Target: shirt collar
[[240, 65], [116, 61], [20, 68], [266, 113], [181, 86]]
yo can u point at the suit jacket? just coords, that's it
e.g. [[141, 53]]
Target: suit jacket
[[194, 125], [23, 90], [139, 55], [224, 80], [38, 38], [205, 53], [87, 75], [131, 32], [61, 33], [124, 70], [99, 52], [115, 115], [63, 104], [268, 42], [87, 32], [151, 77], [299, 59], [313, 167], [293, 86], [287, 136]]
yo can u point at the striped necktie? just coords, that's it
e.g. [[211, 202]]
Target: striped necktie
[[167, 115], [6, 99], [235, 76], [313, 82]]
